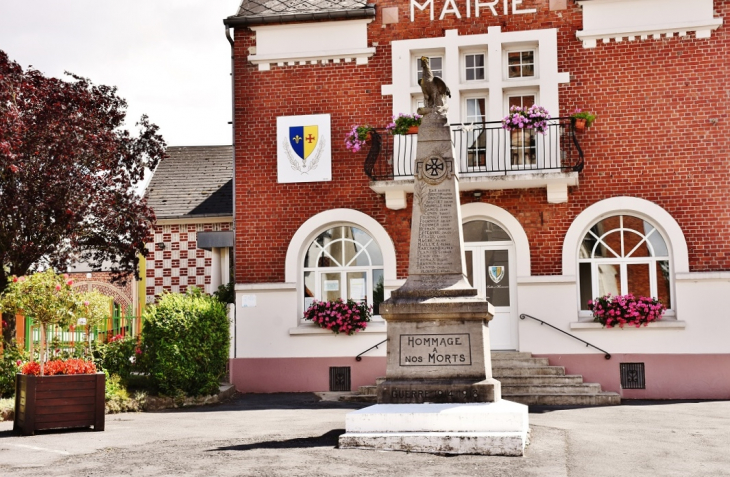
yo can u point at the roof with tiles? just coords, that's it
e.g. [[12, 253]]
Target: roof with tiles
[[193, 181], [286, 7]]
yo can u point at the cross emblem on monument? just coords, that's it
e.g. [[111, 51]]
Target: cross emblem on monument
[[434, 167], [310, 138]]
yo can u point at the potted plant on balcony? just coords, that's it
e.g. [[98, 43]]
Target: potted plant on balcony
[[622, 310], [582, 119], [519, 118], [339, 316], [357, 137], [404, 124], [53, 394]]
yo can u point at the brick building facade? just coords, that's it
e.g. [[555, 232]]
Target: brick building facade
[[653, 167]]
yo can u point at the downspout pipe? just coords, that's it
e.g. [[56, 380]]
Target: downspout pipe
[[232, 257]]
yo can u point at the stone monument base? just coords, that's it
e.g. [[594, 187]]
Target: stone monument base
[[498, 428], [417, 391]]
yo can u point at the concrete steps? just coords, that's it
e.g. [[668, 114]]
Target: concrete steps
[[526, 380], [533, 381]]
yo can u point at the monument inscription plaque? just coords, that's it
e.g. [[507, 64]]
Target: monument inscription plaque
[[435, 350]]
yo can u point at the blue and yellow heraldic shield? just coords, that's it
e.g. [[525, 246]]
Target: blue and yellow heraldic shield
[[303, 139]]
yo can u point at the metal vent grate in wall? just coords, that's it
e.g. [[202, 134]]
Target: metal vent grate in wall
[[340, 379], [633, 376]]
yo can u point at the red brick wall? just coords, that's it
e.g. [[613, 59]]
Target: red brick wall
[[653, 138]]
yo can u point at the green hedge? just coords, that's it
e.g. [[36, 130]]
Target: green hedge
[[119, 356], [9, 368], [185, 340]]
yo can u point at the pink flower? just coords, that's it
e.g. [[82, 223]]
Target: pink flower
[[86, 303], [58, 287], [70, 282]]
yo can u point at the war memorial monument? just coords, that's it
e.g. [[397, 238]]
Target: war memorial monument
[[439, 395]]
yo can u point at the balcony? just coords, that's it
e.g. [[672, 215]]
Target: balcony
[[488, 157]]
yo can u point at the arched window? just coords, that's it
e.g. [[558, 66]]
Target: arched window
[[624, 254], [344, 262]]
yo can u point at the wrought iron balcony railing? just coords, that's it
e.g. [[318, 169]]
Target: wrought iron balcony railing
[[483, 149]]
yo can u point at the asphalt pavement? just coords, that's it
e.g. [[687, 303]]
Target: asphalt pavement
[[296, 435]]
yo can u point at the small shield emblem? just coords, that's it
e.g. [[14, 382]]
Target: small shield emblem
[[496, 273], [303, 140]]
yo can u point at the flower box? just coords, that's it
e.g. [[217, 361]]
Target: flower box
[[60, 401]]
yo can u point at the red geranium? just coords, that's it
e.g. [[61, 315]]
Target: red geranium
[[69, 366]]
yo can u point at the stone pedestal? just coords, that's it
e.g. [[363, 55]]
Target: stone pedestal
[[488, 429], [439, 360]]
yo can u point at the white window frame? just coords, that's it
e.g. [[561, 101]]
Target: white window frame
[[507, 49], [623, 259], [495, 42], [416, 60], [312, 227], [470, 136], [641, 208], [509, 93], [342, 269], [464, 68]]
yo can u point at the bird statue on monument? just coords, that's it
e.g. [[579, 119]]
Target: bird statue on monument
[[434, 89]]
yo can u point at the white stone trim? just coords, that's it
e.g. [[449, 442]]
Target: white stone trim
[[605, 20], [264, 286], [311, 43], [541, 280], [703, 277], [635, 206], [498, 215], [312, 329], [404, 87], [662, 324], [316, 224], [556, 183], [196, 220]]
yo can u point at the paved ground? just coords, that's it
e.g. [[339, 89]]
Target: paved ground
[[296, 435]]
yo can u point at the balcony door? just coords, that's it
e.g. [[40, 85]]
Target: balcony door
[[523, 142], [490, 265]]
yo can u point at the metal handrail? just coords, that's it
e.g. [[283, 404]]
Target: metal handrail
[[608, 355], [482, 149], [359, 356]]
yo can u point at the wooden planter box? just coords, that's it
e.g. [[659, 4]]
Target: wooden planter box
[[51, 402]]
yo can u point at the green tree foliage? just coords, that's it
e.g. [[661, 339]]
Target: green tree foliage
[[185, 341], [10, 361], [119, 356]]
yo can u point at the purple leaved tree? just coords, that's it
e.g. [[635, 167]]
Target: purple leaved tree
[[68, 172]]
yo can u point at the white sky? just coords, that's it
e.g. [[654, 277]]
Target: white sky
[[169, 58]]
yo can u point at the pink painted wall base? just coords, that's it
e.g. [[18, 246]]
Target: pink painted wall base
[[295, 375], [668, 376]]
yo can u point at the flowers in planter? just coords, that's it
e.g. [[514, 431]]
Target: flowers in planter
[[535, 117], [339, 316], [69, 366], [585, 117], [624, 310], [403, 122], [356, 138]]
